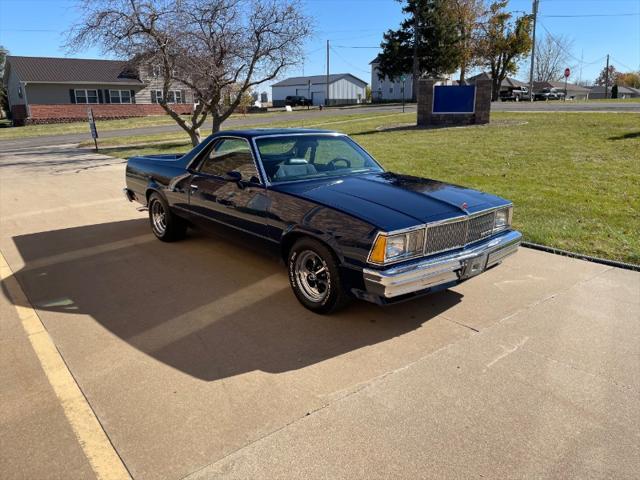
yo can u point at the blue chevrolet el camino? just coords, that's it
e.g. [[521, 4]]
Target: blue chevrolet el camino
[[345, 227]]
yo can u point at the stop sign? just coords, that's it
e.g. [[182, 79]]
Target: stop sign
[[567, 72]]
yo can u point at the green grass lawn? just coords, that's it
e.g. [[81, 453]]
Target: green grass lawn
[[102, 125], [574, 178], [83, 127]]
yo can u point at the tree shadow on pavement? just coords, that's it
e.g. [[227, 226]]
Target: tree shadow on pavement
[[210, 306]]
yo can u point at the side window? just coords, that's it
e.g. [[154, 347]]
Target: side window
[[227, 155]]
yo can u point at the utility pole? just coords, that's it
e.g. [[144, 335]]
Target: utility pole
[[606, 79], [533, 48], [326, 99], [581, 63]]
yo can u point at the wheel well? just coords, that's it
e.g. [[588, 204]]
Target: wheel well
[[290, 239], [149, 192]]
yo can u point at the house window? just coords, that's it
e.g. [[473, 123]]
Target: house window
[[173, 96], [86, 96], [120, 96], [158, 71], [390, 89]]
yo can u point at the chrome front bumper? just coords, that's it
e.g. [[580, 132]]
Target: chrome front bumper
[[442, 269]]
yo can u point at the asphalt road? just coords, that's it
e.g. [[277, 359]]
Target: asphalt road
[[257, 120], [123, 355]]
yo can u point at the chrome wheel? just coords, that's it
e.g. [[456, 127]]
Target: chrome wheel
[[158, 218], [312, 275]]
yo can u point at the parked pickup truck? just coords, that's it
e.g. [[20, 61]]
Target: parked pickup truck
[[549, 94], [344, 226], [297, 101], [515, 94]]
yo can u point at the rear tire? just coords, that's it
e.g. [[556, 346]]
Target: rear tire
[[314, 275], [165, 225]]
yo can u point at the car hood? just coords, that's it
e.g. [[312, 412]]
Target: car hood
[[391, 201]]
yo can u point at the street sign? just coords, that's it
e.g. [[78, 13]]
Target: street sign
[[92, 127], [567, 72], [403, 78]]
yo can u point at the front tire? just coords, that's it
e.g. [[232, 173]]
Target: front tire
[[314, 276], [165, 225]]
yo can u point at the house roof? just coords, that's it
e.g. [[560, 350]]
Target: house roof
[[621, 89], [507, 82], [70, 70], [560, 85], [316, 80]]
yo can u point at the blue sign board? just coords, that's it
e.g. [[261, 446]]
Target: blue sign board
[[454, 99]]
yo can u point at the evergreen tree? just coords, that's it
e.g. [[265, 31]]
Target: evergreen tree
[[614, 91], [427, 43]]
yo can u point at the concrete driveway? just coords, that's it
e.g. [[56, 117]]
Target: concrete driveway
[[197, 361]]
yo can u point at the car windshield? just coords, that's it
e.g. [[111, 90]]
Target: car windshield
[[299, 157]]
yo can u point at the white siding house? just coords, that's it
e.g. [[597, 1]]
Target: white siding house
[[387, 90], [344, 88]]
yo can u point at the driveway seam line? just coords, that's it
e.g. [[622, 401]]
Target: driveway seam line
[[573, 367], [358, 389], [365, 385]]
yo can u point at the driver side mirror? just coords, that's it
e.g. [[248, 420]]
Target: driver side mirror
[[233, 176]]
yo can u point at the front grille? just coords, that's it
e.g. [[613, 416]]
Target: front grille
[[480, 226], [456, 234]]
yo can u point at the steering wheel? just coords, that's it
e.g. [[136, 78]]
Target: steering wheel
[[333, 162]]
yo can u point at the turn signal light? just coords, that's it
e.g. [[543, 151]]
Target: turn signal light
[[378, 250]]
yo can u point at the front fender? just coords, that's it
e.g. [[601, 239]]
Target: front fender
[[292, 232]]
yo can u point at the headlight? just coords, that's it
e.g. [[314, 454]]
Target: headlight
[[503, 219], [400, 246]]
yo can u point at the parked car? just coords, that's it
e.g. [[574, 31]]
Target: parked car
[[514, 94], [549, 94], [344, 226], [297, 101]]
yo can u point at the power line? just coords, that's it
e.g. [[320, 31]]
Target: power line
[[559, 44], [315, 50], [30, 30], [621, 64], [593, 15], [354, 46], [347, 61]]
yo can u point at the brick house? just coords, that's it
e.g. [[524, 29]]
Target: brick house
[[53, 90]]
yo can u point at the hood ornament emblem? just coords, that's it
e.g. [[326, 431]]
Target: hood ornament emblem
[[464, 206]]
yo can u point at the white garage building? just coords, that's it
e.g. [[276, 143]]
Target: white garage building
[[344, 88]]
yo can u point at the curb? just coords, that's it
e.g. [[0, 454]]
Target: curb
[[566, 253]]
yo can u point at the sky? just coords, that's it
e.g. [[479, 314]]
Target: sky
[[355, 27]]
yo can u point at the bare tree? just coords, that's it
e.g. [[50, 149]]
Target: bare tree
[[552, 55], [214, 47], [4, 100]]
